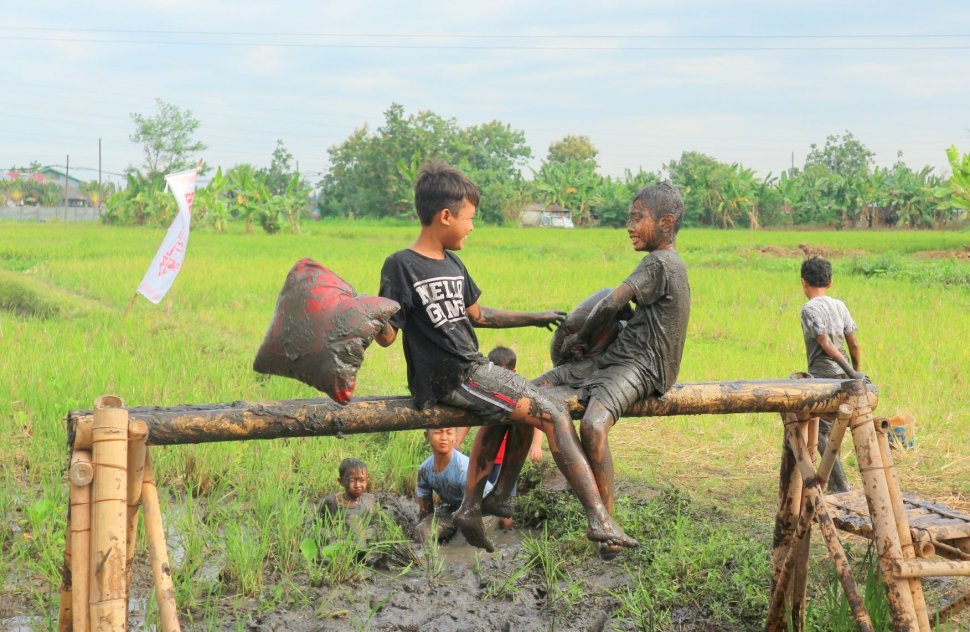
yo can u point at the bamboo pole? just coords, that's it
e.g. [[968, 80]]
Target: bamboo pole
[[930, 568], [808, 431], [885, 536], [842, 419], [323, 417], [817, 508], [137, 439], [786, 521], [158, 551], [80, 475], [902, 522], [65, 615], [109, 604]]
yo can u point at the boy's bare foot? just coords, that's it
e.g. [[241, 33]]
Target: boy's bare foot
[[611, 533], [496, 506], [473, 529], [608, 551]]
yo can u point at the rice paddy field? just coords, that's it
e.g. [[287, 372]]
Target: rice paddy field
[[699, 492]]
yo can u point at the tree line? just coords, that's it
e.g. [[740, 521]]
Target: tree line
[[371, 175]]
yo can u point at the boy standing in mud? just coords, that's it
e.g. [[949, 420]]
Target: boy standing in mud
[[644, 359], [827, 328], [439, 311], [443, 473]]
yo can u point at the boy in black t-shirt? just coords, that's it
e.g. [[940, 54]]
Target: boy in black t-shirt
[[439, 311]]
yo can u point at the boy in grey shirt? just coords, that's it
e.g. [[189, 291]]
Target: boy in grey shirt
[[828, 328]]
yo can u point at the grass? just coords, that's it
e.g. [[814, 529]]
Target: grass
[[236, 513]]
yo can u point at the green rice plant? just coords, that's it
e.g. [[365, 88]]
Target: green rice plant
[[333, 552], [561, 590], [638, 605], [247, 548], [288, 518]]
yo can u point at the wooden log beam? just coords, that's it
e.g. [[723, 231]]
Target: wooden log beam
[[238, 421]]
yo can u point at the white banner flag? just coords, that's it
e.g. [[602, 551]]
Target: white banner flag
[[168, 260]]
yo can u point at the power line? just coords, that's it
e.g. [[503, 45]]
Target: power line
[[494, 35], [613, 49]]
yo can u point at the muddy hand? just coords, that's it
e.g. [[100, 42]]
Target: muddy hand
[[472, 528], [554, 318]]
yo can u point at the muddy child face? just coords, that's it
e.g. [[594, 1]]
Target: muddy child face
[[355, 483], [442, 440], [646, 233]]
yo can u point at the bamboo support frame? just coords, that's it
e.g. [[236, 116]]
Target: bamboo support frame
[[902, 524], [158, 551], [137, 448], [108, 597], [885, 535], [122, 483]]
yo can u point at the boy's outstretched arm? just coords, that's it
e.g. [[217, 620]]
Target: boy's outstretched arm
[[833, 352], [492, 318], [602, 316], [855, 351]]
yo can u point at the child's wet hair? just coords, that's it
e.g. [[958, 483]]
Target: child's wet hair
[[503, 357], [817, 272], [441, 186], [351, 465], [660, 200]]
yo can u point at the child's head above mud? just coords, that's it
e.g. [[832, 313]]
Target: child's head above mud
[[441, 186], [353, 477], [503, 357], [442, 440], [817, 272], [656, 214]]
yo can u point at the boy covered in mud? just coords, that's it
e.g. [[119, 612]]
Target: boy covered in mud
[[827, 328], [443, 473], [355, 501], [644, 359], [439, 313]]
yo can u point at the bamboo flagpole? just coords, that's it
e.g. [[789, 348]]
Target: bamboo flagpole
[[158, 551], [108, 599]]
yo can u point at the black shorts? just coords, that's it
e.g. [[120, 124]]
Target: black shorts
[[491, 393]]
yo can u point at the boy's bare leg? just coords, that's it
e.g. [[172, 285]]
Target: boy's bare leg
[[499, 501], [568, 454], [594, 431], [488, 439]]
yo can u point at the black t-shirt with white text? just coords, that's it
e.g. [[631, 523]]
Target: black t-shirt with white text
[[440, 345]]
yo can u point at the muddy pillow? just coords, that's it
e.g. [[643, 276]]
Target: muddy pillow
[[320, 330], [575, 320]]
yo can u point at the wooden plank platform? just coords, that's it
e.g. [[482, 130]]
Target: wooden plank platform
[[927, 519]]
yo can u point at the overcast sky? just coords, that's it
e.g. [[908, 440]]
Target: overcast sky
[[750, 82]]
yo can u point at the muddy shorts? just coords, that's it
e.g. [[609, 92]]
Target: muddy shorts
[[617, 387], [491, 393]]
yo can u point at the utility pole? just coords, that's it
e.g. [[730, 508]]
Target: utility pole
[[67, 174], [100, 192]]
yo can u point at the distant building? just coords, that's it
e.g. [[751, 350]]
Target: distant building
[[552, 216], [71, 186]]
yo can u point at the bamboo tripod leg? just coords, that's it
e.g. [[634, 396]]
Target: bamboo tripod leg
[[158, 552], [902, 526], [808, 430], [65, 615], [789, 500], [81, 474], [109, 604], [827, 528], [137, 440], [876, 488]]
